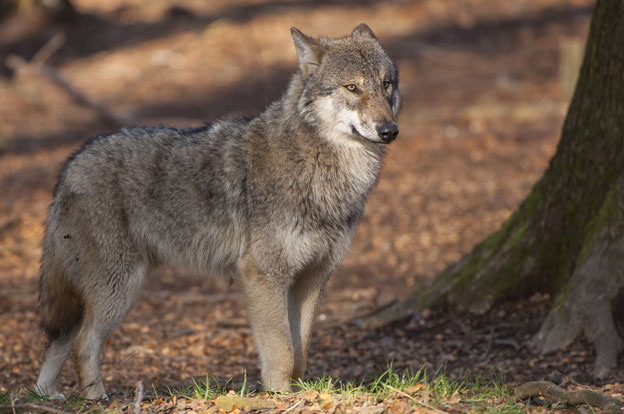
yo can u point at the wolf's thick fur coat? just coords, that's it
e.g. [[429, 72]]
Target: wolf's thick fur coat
[[271, 202]]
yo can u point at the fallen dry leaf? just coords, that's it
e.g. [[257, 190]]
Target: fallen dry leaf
[[415, 389], [229, 402]]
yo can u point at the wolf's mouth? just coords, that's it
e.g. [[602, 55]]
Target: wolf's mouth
[[357, 134]]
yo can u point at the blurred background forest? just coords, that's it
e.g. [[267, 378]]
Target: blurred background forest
[[486, 85]]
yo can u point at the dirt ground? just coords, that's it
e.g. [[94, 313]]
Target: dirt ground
[[483, 107]]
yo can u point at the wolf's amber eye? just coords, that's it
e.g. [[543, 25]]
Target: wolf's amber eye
[[351, 87], [386, 84]]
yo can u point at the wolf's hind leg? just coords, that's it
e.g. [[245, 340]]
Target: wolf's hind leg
[[60, 310], [56, 353], [267, 309], [106, 310]]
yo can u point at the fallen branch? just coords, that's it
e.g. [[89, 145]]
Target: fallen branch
[[139, 398], [179, 334], [556, 394], [48, 49], [292, 407], [31, 406], [509, 342]]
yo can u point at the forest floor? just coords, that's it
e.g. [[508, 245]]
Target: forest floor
[[484, 102]]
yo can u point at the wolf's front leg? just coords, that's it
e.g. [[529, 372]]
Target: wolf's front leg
[[303, 302], [267, 307]]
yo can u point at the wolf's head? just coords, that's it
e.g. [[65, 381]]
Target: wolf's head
[[350, 87]]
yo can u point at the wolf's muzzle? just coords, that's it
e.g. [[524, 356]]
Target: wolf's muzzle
[[388, 132]]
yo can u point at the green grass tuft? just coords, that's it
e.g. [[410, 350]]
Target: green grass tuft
[[205, 390], [5, 397], [31, 395]]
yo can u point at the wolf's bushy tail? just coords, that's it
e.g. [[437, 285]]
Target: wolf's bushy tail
[[61, 306]]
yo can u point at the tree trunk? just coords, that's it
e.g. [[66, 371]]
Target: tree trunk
[[567, 236]]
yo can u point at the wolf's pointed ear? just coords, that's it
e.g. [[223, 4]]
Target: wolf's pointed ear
[[362, 30], [309, 51]]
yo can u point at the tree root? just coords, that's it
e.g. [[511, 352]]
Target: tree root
[[587, 306], [557, 394]]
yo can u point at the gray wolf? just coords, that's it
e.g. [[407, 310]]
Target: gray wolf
[[271, 202]]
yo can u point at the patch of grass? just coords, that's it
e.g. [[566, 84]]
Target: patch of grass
[[31, 395], [205, 389], [21, 397], [490, 394], [390, 379], [488, 388], [381, 385], [5, 397], [155, 391], [324, 384], [378, 386], [78, 403], [443, 388], [481, 394]]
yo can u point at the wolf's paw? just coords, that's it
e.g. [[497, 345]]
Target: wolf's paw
[[50, 395], [99, 395], [59, 396]]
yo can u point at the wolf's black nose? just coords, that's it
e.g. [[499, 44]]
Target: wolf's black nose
[[388, 132]]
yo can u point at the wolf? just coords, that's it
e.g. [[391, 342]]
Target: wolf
[[271, 202]]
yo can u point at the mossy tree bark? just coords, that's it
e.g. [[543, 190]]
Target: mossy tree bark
[[567, 236]]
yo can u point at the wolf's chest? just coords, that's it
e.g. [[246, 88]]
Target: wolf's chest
[[350, 173], [338, 189]]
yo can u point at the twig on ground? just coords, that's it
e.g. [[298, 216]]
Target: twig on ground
[[292, 407], [32, 406], [179, 334], [510, 342], [48, 49], [553, 393], [417, 401], [488, 347], [442, 365], [139, 398]]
